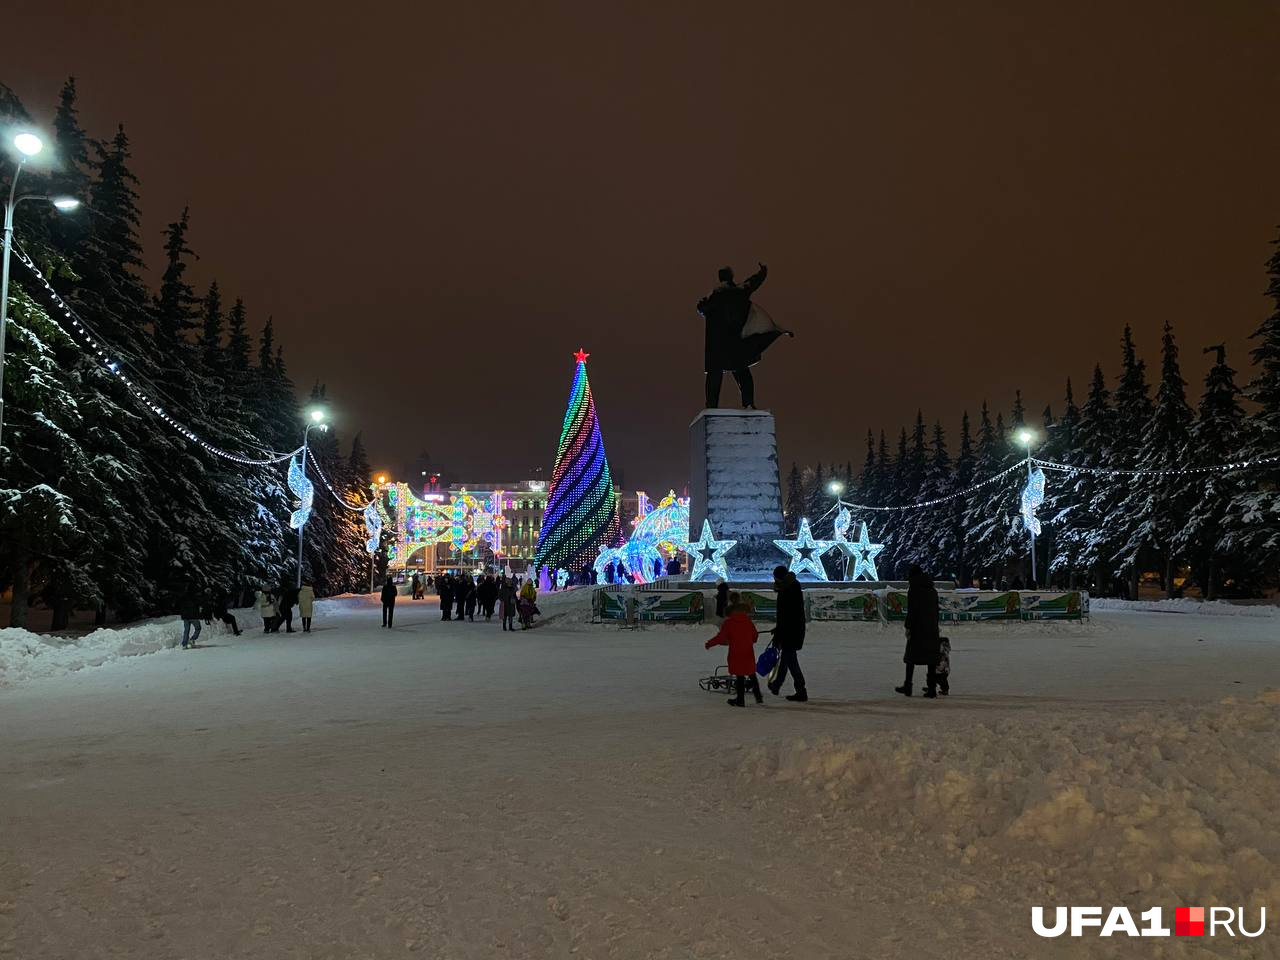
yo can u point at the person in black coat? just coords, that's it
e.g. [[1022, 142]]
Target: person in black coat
[[288, 598], [189, 611], [218, 610], [388, 602], [722, 599], [923, 643], [463, 587], [788, 633], [444, 586], [487, 595]]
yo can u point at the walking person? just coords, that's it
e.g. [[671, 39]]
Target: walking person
[[923, 642], [487, 596], [788, 633], [462, 586], [189, 611], [388, 602], [306, 604], [739, 634], [528, 604], [444, 587]]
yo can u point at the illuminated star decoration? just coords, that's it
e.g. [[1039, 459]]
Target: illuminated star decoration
[[562, 578], [581, 355], [708, 555], [806, 552], [303, 489], [864, 556]]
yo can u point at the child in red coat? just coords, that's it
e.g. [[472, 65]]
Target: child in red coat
[[739, 634]]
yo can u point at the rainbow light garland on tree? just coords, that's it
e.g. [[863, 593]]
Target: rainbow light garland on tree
[[582, 509]]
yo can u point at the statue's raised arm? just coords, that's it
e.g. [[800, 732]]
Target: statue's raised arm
[[730, 344]]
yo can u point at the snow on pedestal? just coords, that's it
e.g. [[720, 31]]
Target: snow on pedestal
[[733, 482]]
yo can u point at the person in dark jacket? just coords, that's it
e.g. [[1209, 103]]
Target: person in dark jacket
[[788, 633], [722, 599], [388, 602], [288, 597], [725, 312], [444, 586], [507, 599], [462, 586], [487, 595], [218, 610], [923, 644], [189, 611]]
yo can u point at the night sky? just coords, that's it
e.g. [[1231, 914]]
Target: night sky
[[441, 203]]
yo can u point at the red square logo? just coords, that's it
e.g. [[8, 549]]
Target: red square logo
[[1188, 921]]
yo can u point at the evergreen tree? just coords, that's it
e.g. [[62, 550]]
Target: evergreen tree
[[238, 343], [1215, 439], [211, 331], [176, 311], [795, 497], [962, 479], [986, 516], [1154, 508], [1255, 511], [1060, 442]]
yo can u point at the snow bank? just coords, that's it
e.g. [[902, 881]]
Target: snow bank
[[1218, 608], [1177, 803], [27, 656]]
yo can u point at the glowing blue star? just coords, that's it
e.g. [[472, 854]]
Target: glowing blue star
[[864, 554], [708, 555], [562, 578], [303, 489], [806, 552]]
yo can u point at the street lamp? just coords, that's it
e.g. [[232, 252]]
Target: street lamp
[[316, 416], [1025, 437], [27, 144]]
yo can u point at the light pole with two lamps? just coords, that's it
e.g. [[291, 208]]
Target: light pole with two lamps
[[316, 416], [28, 145]]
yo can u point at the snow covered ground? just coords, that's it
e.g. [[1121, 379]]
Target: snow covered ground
[[450, 790]]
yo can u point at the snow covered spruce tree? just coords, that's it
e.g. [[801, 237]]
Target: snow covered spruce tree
[[1215, 439], [1151, 509], [1253, 519]]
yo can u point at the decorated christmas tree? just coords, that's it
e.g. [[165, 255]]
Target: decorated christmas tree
[[582, 509]]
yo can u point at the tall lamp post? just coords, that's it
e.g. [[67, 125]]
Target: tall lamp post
[[28, 145], [835, 488], [316, 416], [1026, 436]]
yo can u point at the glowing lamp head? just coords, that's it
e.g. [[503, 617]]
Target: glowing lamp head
[[382, 478], [836, 487], [28, 144], [1025, 437], [317, 415], [66, 204]]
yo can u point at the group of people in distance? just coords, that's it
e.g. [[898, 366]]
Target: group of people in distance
[[925, 646], [510, 597]]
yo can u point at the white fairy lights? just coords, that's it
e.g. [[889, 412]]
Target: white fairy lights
[[113, 366]]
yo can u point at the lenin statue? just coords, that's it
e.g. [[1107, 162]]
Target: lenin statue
[[737, 334]]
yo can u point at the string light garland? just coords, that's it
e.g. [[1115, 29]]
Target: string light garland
[[337, 496], [937, 500], [1249, 464], [105, 357]]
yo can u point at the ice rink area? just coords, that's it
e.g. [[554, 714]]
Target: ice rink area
[[451, 790]]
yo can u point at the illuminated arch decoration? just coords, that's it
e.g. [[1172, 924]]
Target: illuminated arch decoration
[[662, 528], [463, 524]]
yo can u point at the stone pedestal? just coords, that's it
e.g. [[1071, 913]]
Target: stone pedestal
[[733, 482]]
